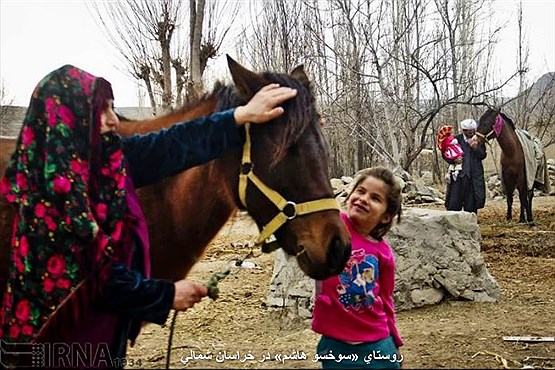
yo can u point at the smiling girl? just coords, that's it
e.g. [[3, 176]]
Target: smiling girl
[[354, 310]]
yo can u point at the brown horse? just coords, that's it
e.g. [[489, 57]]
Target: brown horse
[[289, 155], [494, 124]]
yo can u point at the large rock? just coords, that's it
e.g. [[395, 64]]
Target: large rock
[[437, 257]]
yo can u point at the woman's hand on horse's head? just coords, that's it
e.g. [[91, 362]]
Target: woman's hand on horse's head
[[263, 106], [187, 293]]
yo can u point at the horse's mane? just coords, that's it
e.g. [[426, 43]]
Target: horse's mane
[[508, 120], [491, 114], [300, 111]]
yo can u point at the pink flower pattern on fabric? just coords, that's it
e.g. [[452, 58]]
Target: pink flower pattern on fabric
[[21, 181], [40, 210], [50, 106], [61, 185], [24, 246], [28, 136], [66, 116], [101, 211], [5, 186], [56, 265], [22, 311], [87, 82]]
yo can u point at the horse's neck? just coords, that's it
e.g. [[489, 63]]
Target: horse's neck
[[508, 141], [127, 128], [187, 211]]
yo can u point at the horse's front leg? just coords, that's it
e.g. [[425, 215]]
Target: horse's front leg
[[509, 206]]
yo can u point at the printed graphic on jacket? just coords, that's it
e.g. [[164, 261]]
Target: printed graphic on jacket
[[358, 280]]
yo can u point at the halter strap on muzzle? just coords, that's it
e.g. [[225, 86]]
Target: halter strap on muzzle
[[288, 210], [495, 130]]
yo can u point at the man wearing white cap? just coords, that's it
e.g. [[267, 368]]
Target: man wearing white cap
[[468, 191]]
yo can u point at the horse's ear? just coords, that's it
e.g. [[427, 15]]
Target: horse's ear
[[300, 75], [246, 82]]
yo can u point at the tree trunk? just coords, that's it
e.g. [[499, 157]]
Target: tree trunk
[[194, 85]]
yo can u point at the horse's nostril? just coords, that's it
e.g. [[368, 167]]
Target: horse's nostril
[[338, 254], [346, 254]]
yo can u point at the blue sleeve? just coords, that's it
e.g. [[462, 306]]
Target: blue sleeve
[[157, 155], [129, 293]]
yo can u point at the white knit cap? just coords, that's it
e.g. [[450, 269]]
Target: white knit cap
[[468, 124]]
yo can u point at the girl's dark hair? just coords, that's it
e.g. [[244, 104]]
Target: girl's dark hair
[[394, 196]]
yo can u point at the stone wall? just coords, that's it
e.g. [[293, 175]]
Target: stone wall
[[11, 120]]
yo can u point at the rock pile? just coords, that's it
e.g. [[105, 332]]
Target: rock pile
[[415, 191], [422, 191]]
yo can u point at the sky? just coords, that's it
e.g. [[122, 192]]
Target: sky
[[39, 36]]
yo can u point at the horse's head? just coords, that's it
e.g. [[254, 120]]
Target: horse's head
[[487, 128], [289, 157]]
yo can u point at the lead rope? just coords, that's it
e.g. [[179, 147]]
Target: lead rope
[[170, 340], [213, 293], [495, 162], [492, 151]]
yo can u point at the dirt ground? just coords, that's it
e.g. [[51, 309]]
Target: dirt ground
[[239, 331]]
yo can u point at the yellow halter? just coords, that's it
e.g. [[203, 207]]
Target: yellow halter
[[487, 137], [288, 210]]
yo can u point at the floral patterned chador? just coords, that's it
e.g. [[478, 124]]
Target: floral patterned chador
[[63, 190]]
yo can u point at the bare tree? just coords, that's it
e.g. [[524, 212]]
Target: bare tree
[[273, 41], [544, 117], [416, 83], [533, 108], [196, 12], [149, 35], [210, 23], [388, 72], [143, 33], [543, 112], [522, 54]]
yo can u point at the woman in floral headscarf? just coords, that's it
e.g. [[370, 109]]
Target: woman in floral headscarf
[[79, 249]]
